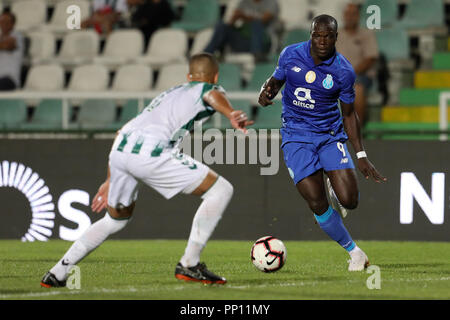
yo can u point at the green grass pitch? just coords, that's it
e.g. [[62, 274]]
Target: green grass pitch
[[144, 269]]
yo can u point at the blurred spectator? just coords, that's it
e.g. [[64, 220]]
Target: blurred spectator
[[359, 46], [11, 52], [106, 14], [150, 15], [248, 30]]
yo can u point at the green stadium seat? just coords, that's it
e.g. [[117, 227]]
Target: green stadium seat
[[419, 97], [13, 113], [269, 117], [296, 36], [261, 73], [394, 43], [441, 61], [129, 110], [421, 14], [230, 77], [388, 12], [198, 14], [401, 130], [96, 114], [47, 116]]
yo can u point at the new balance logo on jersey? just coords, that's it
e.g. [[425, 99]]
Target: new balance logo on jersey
[[296, 69], [344, 160]]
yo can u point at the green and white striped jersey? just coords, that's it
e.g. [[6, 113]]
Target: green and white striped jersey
[[167, 119]]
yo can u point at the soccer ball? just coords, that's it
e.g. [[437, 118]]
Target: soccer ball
[[268, 254]]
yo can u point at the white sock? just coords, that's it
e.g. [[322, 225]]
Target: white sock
[[208, 214], [94, 236]]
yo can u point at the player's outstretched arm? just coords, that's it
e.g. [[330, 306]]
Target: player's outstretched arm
[[353, 129], [220, 103], [269, 90]]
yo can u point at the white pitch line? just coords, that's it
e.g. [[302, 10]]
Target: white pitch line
[[184, 287]]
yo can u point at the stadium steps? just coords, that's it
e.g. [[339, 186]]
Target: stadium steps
[[441, 61], [432, 79], [426, 114], [402, 130], [418, 97]]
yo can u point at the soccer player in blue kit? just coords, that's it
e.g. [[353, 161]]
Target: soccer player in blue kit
[[314, 132]]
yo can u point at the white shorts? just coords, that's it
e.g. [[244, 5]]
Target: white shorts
[[169, 173]]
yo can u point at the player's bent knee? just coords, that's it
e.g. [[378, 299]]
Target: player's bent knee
[[350, 202], [121, 212], [222, 187], [318, 207]]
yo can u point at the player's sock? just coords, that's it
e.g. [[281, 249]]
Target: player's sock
[[95, 235], [215, 201], [332, 224]]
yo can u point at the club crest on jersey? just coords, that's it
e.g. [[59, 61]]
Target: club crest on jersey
[[327, 83], [310, 76]]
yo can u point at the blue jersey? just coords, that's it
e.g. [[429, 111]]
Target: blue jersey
[[311, 92]]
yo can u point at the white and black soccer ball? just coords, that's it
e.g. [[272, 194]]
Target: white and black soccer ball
[[268, 254]]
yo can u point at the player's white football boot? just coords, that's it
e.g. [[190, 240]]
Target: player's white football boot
[[335, 201], [358, 261]]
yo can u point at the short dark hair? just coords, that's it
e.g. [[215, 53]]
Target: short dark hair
[[8, 12], [324, 19], [203, 63]]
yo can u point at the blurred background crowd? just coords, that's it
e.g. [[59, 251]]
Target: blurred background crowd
[[402, 63]]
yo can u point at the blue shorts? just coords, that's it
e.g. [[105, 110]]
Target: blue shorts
[[307, 152]]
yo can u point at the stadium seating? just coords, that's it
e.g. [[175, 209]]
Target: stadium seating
[[394, 43], [97, 114], [198, 15], [122, 46], [91, 77], [171, 75], [268, 117], [294, 14], [58, 20], [423, 14], [78, 47], [388, 12], [13, 113], [47, 116], [201, 40], [295, 36], [42, 47], [45, 78], [30, 14], [133, 78], [262, 72], [166, 46], [334, 8], [230, 77]]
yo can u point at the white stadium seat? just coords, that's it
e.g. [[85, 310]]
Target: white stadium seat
[[30, 14], [201, 40], [172, 75], [295, 14], [133, 78], [91, 77], [78, 47], [122, 46], [42, 47], [58, 20], [166, 46], [45, 78]]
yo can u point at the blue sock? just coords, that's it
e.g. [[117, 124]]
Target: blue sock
[[332, 224]]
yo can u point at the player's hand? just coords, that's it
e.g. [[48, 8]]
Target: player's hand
[[239, 120], [100, 200], [368, 170], [265, 97]]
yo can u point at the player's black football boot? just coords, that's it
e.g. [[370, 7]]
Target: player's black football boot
[[49, 281], [197, 273]]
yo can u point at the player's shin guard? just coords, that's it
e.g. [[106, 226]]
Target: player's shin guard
[[215, 201], [95, 235], [332, 224]]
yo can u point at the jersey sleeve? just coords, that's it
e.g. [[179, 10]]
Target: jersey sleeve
[[347, 94], [280, 71]]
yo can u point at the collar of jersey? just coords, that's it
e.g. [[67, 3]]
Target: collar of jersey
[[311, 60]]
